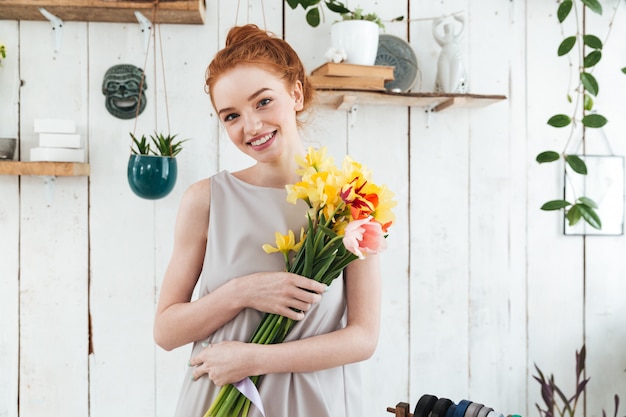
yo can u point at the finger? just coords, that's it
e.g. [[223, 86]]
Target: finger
[[307, 297], [313, 286], [310, 284]]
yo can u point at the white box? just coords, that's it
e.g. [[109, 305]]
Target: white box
[[57, 155], [59, 140], [55, 126]]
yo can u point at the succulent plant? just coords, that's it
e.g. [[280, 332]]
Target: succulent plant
[[164, 145]]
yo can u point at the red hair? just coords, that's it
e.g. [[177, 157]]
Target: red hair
[[250, 45]]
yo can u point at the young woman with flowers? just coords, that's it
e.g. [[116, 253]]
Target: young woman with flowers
[[258, 87]]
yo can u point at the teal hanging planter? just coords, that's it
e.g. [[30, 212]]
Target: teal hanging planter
[[151, 176]]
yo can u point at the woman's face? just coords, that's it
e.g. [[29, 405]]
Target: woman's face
[[258, 110]]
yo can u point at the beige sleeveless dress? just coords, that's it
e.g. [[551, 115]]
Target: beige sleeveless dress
[[243, 217]]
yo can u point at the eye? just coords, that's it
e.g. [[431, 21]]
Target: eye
[[264, 102], [230, 117]]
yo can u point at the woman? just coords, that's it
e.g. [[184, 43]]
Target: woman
[[258, 87]]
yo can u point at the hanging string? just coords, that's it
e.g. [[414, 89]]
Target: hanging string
[[167, 111], [155, 25], [248, 13], [237, 12], [141, 83], [263, 13]]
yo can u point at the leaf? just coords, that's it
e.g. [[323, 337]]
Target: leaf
[[548, 156], [588, 102], [624, 70], [564, 9], [313, 17], [567, 45], [589, 203], [592, 41], [592, 59], [581, 387], [573, 215], [581, 357], [590, 216], [555, 205], [337, 7], [308, 3], [559, 120], [577, 164], [594, 120], [589, 82], [594, 5]]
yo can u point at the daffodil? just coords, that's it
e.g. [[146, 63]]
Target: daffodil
[[284, 244], [315, 160]]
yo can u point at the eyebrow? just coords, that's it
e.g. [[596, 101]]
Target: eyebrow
[[250, 98]]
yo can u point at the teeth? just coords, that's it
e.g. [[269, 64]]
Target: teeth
[[262, 140]]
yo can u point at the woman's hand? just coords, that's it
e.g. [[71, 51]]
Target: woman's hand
[[223, 362], [283, 293]]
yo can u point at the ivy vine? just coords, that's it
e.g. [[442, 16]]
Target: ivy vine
[[590, 54]]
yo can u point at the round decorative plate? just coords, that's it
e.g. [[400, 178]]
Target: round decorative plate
[[396, 52]]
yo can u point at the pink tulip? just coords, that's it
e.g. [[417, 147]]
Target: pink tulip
[[364, 236]]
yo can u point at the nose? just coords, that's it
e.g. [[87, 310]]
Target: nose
[[252, 125]]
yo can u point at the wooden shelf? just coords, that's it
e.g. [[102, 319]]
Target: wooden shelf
[[170, 11], [53, 169], [345, 99]]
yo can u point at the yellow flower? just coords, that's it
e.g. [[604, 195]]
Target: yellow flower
[[298, 245], [315, 160], [382, 211], [284, 243]]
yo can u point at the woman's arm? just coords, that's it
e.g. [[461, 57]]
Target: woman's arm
[[179, 320], [229, 362]]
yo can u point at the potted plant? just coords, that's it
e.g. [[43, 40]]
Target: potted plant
[[556, 401], [315, 11], [152, 171], [355, 35]]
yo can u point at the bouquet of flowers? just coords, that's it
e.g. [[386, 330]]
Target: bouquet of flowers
[[348, 218]]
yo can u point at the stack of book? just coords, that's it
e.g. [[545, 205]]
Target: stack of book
[[58, 141], [343, 76]]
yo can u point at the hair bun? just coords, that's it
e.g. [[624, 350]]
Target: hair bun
[[247, 34]]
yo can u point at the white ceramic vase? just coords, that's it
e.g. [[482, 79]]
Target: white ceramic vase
[[358, 38]]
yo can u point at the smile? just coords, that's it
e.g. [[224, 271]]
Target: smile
[[263, 139]]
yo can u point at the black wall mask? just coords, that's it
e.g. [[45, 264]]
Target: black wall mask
[[121, 88]]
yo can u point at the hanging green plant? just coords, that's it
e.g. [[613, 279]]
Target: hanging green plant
[[165, 145], [589, 55]]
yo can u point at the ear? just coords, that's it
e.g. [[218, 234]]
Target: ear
[[298, 96]]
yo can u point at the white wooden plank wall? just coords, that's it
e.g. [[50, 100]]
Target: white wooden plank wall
[[479, 283]]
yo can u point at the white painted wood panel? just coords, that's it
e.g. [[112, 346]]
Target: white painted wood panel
[[439, 189], [605, 304], [555, 262], [513, 394], [9, 229], [122, 239], [186, 63], [494, 340], [54, 233]]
